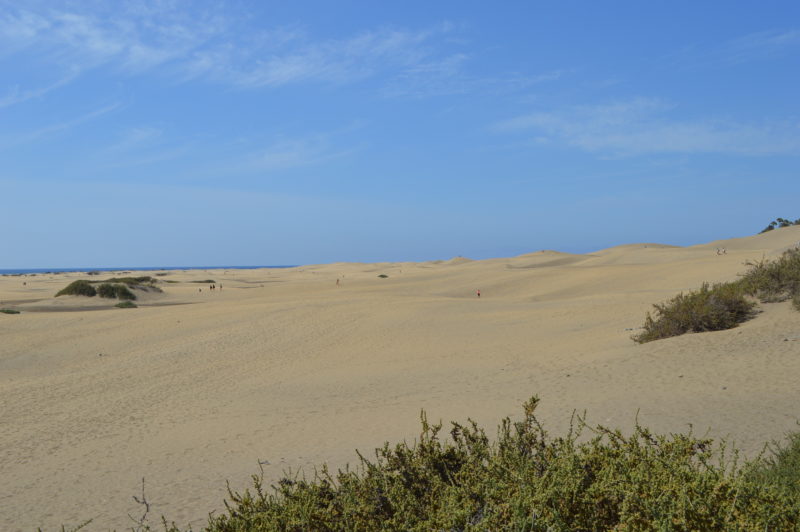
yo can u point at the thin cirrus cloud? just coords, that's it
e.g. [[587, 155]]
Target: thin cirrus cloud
[[640, 126], [757, 46], [293, 58], [213, 47], [760, 45], [301, 151], [58, 127]]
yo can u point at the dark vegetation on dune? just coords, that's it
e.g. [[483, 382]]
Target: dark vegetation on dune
[[126, 304], [777, 223], [78, 288], [726, 305], [113, 288], [8, 311], [593, 478], [118, 291]]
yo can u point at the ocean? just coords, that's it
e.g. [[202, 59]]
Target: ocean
[[131, 269]]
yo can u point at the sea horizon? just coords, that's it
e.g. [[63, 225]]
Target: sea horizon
[[27, 271]]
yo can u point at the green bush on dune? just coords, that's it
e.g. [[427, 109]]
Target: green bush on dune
[[78, 288], [118, 291], [776, 280], [711, 308], [115, 287], [590, 479], [725, 305]]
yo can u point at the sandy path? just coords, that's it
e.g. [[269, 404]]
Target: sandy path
[[284, 367]]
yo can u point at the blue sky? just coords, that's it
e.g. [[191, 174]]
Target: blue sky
[[245, 133]]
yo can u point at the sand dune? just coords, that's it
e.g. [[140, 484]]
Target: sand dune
[[285, 367]]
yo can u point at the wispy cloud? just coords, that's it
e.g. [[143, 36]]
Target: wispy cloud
[[17, 95], [57, 127], [642, 126], [292, 57], [185, 43], [758, 46], [302, 151], [763, 44], [135, 138], [447, 77]]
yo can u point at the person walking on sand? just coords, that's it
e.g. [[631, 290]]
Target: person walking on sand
[[479, 293], [337, 281]]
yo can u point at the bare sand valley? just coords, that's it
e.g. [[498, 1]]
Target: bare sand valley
[[283, 367]]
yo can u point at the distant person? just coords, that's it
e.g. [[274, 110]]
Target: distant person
[[479, 293], [337, 281]]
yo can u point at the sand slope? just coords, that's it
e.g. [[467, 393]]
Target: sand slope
[[284, 367]]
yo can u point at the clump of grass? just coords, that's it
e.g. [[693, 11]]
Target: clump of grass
[[9, 311], [118, 291], [78, 288], [383, 276], [711, 308], [126, 304], [207, 281], [525, 480]]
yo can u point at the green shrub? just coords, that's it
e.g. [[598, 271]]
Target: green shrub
[[776, 280], [126, 304], [383, 276], [525, 480], [782, 468], [78, 288], [207, 281], [712, 308], [107, 290], [118, 291], [124, 293], [9, 311]]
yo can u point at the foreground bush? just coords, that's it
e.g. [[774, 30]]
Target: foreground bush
[[712, 308], [782, 468], [78, 288], [527, 480]]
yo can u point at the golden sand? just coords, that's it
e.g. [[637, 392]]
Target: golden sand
[[286, 368]]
